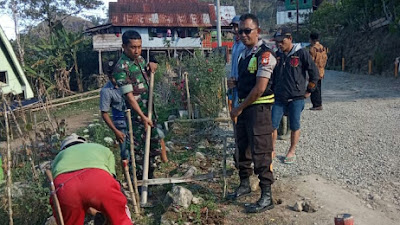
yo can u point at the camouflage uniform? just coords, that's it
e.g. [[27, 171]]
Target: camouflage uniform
[[131, 76]]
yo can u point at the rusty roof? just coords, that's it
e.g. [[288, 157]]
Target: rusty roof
[[162, 13]]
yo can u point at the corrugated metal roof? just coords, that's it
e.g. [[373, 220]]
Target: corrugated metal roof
[[162, 13]]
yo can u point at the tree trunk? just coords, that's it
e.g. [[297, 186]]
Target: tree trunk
[[21, 51]]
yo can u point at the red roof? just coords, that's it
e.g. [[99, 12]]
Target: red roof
[[162, 13]]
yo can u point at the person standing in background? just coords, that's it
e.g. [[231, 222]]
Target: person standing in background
[[319, 56]]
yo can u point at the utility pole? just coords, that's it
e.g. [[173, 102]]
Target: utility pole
[[219, 34], [249, 6], [297, 14]]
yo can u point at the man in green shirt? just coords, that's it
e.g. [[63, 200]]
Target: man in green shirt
[[84, 178]]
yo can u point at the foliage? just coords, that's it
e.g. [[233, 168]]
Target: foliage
[[32, 207], [205, 83], [55, 11]]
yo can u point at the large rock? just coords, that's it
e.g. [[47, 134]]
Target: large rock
[[179, 196]]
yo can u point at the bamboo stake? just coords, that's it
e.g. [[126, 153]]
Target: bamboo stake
[[176, 180], [225, 83], [65, 103], [189, 106], [24, 142], [9, 178], [224, 168], [369, 67], [132, 151], [147, 145], [343, 64], [128, 180], [53, 194]]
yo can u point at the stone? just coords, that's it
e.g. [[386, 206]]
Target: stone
[[165, 221], [51, 221], [179, 196], [254, 183], [170, 144], [298, 207], [309, 207], [197, 200], [200, 156]]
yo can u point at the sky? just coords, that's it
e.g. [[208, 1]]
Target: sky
[[8, 25]]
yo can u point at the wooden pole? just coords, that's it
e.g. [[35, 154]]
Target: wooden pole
[[9, 179], [128, 180], [189, 106], [369, 67], [396, 69], [24, 142], [147, 144], [100, 63], [132, 151], [164, 157], [343, 64], [225, 85], [224, 168], [53, 194]]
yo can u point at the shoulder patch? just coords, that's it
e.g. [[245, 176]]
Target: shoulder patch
[[265, 58]]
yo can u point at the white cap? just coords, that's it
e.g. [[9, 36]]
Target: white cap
[[70, 140]]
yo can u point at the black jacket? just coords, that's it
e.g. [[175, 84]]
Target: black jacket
[[289, 78]]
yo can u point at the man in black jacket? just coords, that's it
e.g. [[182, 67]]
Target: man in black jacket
[[289, 86]]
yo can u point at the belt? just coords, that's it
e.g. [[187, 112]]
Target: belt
[[262, 100]]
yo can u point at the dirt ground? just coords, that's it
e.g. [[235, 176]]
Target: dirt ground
[[329, 200]]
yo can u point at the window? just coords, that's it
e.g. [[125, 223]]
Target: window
[[3, 77], [289, 14]]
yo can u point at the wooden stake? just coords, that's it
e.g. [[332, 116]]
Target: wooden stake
[[132, 151], [128, 180], [53, 194], [176, 180], [24, 142], [147, 145], [369, 67], [189, 106], [343, 64], [164, 157], [396, 69], [9, 179], [225, 85], [224, 168]]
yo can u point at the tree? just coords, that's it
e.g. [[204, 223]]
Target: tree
[[55, 11]]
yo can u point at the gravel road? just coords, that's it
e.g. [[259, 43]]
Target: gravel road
[[355, 140]]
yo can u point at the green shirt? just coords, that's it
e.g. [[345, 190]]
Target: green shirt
[[82, 156]]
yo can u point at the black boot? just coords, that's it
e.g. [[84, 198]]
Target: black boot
[[264, 203], [243, 190]]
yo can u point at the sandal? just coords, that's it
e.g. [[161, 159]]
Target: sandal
[[290, 160]]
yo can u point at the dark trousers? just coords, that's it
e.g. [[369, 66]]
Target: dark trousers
[[254, 140], [316, 99]]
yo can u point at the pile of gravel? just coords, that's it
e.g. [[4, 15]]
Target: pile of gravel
[[355, 140]]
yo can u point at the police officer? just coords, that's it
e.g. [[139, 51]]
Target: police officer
[[131, 74], [254, 128]]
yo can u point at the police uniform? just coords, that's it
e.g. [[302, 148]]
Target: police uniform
[[131, 76], [254, 127]]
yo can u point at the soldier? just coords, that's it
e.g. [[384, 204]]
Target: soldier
[[318, 54], [254, 129], [132, 76]]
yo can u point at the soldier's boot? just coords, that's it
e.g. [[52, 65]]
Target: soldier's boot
[[264, 203], [243, 189]]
